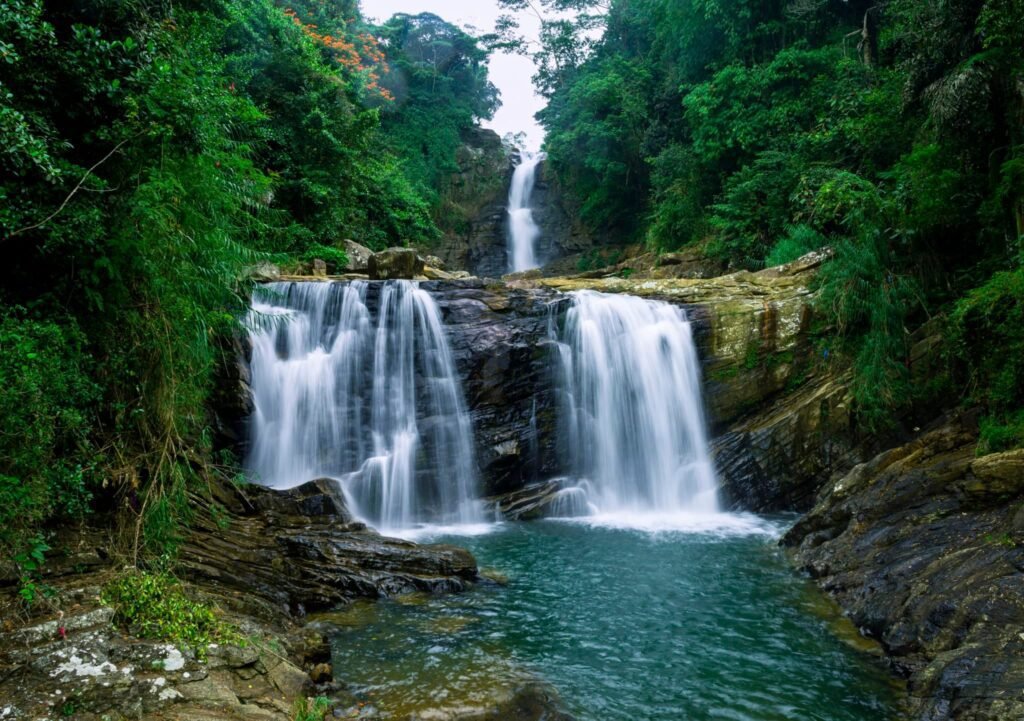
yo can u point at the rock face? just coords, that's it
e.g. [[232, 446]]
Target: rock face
[[923, 546], [266, 558], [499, 339], [300, 551], [556, 215], [474, 212], [395, 264]]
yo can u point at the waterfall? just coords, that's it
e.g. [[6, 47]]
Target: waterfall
[[634, 421], [523, 231], [377, 405]]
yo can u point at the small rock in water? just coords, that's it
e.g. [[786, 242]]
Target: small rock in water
[[322, 673]]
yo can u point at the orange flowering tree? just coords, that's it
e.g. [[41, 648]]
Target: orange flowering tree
[[357, 52]]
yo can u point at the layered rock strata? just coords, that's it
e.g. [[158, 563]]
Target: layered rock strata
[[923, 546]]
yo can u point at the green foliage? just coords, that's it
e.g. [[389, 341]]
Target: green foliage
[[987, 328], [334, 257], [47, 408], [151, 152], [313, 709], [867, 304], [156, 606], [798, 242], [765, 130]]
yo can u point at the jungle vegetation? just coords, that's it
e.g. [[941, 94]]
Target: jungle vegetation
[[890, 131]]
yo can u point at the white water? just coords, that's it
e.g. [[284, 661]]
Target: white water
[[377, 405], [633, 418], [523, 231]]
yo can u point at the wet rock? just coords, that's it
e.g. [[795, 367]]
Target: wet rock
[[298, 551], [531, 503], [322, 673], [395, 264], [921, 547], [531, 702], [499, 342]]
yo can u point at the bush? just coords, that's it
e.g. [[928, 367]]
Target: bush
[[987, 334], [336, 258], [47, 406], [799, 241], [155, 606], [867, 303]]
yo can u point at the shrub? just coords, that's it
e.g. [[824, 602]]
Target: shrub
[[866, 303], [987, 334], [47, 404], [156, 606], [799, 241]]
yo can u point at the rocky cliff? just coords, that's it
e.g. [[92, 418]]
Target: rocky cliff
[[474, 215], [780, 414], [923, 546]]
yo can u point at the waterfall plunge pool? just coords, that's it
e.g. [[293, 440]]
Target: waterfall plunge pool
[[625, 624]]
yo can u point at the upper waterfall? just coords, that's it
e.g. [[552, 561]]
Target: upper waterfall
[[523, 231], [633, 415], [377, 405]]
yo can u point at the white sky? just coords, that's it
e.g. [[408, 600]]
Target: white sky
[[510, 73]]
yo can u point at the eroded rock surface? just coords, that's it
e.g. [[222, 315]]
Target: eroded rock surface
[[923, 546], [265, 558]]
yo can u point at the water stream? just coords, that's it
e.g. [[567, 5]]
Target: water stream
[[367, 397], [633, 418], [523, 230]]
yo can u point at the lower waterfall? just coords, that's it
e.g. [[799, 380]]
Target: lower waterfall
[[369, 398], [634, 428]]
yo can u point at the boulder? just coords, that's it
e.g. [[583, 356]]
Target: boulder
[[395, 264], [358, 257], [319, 268], [264, 273]]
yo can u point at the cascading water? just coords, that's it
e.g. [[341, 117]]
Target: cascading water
[[523, 231], [633, 416], [378, 407]]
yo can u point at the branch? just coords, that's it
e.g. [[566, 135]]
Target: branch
[[67, 200]]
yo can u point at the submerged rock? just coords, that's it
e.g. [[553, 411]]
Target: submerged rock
[[923, 546]]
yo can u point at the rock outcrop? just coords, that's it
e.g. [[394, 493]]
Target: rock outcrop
[[499, 339], [265, 558], [923, 546], [474, 207]]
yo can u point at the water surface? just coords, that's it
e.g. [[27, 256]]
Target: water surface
[[626, 624]]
